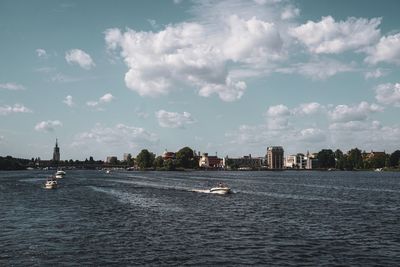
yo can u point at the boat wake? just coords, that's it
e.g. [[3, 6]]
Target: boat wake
[[138, 200]]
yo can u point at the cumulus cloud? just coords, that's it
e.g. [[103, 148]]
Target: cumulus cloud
[[12, 86], [173, 119], [386, 50], [345, 113], [329, 36], [41, 53], [278, 117], [311, 135], [388, 94], [308, 109], [77, 56], [196, 54], [104, 99], [17, 108], [118, 137], [47, 126], [68, 101]]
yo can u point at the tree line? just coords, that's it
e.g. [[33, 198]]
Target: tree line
[[356, 159]]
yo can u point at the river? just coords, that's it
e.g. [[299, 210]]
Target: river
[[288, 218]]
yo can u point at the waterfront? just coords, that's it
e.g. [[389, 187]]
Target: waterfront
[[153, 218]]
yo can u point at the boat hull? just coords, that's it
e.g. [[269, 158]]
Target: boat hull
[[50, 186], [220, 190]]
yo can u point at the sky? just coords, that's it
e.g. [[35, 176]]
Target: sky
[[223, 77]]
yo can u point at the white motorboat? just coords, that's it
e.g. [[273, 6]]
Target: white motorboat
[[60, 174], [221, 189], [51, 183]]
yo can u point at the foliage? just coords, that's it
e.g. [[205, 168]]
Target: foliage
[[145, 159], [185, 158], [326, 158], [394, 159], [10, 163], [169, 165], [158, 162], [354, 159]]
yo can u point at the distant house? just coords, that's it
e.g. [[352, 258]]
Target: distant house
[[168, 155], [372, 154], [207, 161]]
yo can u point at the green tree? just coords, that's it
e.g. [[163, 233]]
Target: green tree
[[395, 159], [354, 158], [145, 159], [185, 158], [339, 159], [158, 162], [326, 158], [169, 165]]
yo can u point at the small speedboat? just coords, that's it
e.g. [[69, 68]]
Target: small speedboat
[[220, 189], [51, 183], [60, 174]]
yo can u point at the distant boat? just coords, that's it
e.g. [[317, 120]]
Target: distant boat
[[108, 171], [60, 174], [51, 183], [220, 189]]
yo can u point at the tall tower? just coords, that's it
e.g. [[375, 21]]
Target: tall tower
[[56, 152], [275, 157]]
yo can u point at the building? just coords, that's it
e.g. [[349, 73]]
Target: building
[[56, 152], [168, 155], [127, 156], [373, 154], [207, 161], [275, 157], [245, 162], [112, 160], [295, 161], [311, 161]]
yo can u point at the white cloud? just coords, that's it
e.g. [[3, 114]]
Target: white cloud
[[47, 126], [68, 101], [197, 55], [311, 135], [307, 109], [278, 117], [41, 53], [386, 50], [345, 113], [77, 56], [104, 99], [17, 108], [173, 119], [329, 36], [318, 69], [12, 86], [388, 94], [119, 137], [290, 12], [374, 74]]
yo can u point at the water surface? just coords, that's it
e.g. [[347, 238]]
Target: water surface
[[154, 218]]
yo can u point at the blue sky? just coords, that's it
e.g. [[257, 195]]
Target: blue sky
[[232, 77]]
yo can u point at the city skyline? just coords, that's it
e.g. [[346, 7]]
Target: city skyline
[[232, 77]]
